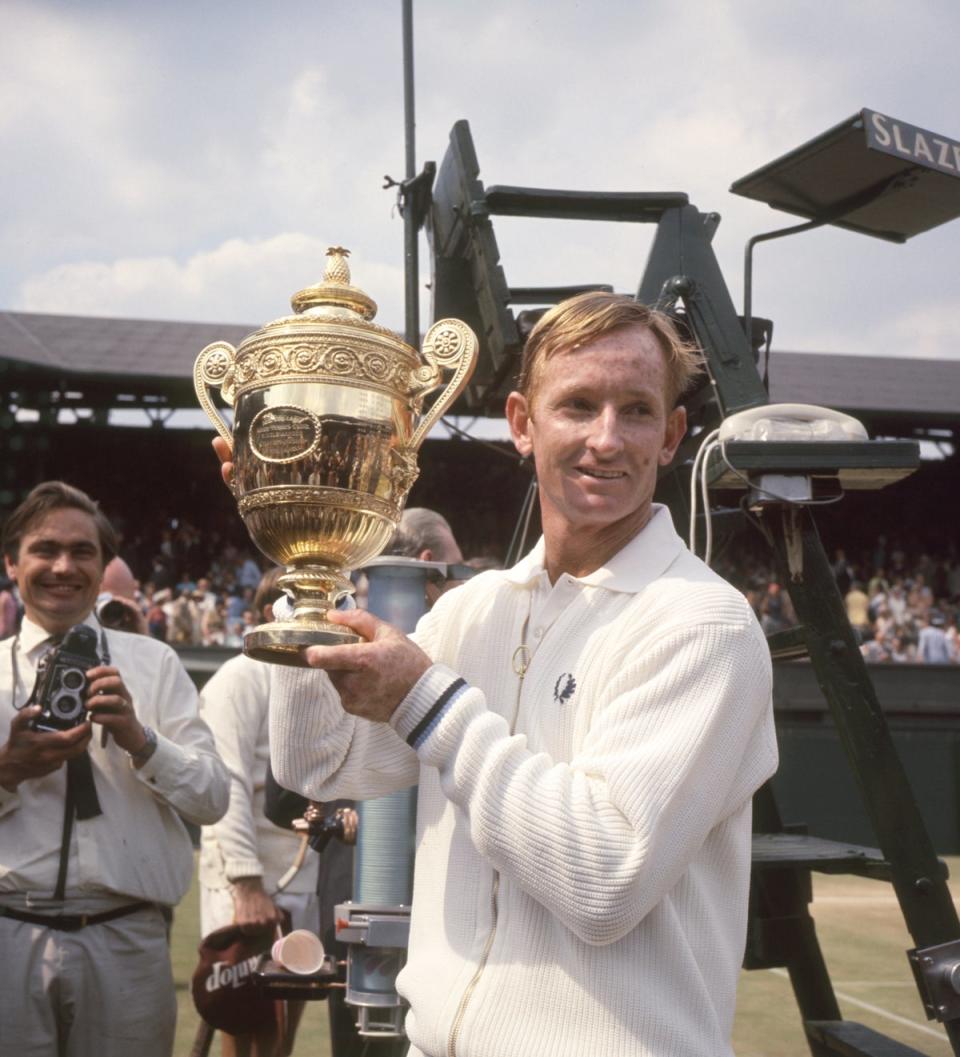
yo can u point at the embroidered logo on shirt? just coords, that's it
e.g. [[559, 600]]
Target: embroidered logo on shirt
[[564, 688]]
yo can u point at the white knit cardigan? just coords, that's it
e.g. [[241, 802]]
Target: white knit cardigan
[[583, 836]]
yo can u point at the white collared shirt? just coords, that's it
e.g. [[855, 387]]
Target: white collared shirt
[[634, 566], [138, 848]]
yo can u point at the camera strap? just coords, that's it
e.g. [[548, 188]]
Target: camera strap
[[81, 800]]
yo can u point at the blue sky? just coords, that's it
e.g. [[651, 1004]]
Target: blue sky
[[192, 160]]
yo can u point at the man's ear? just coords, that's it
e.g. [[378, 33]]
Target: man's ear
[[11, 567], [518, 418], [676, 428]]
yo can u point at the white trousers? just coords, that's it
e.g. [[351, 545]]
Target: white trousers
[[103, 991]]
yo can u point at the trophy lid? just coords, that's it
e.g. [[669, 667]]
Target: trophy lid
[[334, 294]]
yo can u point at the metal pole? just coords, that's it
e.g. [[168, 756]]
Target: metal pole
[[748, 268], [411, 260]]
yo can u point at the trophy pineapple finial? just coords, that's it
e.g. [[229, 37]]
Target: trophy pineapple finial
[[335, 293], [338, 268]]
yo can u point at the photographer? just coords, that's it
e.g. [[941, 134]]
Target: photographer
[[93, 850], [117, 606]]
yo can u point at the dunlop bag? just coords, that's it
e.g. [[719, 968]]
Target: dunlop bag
[[223, 991]]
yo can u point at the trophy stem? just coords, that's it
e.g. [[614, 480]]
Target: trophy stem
[[315, 589]]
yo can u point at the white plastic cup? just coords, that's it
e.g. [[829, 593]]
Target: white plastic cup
[[299, 951]]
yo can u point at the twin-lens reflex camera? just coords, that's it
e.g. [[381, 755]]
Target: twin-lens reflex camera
[[61, 685]]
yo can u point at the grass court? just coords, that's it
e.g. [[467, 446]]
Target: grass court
[[863, 939]]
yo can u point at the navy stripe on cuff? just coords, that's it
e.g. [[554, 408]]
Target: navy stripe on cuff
[[445, 698]]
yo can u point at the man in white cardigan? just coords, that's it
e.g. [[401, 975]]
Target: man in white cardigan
[[587, 730]]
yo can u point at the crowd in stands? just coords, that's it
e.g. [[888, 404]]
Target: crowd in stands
[[197, 590], [904, 606]]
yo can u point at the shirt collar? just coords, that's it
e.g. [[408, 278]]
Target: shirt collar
[[529, 567], [33, 635], [645, 558]]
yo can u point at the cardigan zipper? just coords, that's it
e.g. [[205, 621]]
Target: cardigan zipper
[[520, 663], [471, 987]]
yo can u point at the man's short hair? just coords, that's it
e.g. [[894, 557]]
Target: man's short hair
[[587, 317], [422, 529], [50, 496]]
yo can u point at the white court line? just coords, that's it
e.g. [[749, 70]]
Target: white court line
[[877, 1011], [907, 984], [870, 900]]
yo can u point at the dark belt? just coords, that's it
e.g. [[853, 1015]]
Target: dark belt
[[72, 922]]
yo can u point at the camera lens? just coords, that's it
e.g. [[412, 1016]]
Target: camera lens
[[115, 614], [73, 679], [66, 706]]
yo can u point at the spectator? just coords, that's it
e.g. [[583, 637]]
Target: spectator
[[203, 596], [213, 625], [9, 609], [897, 602], [94, 849], [953, 638], [858, 608], [237, 602], [248, 572], [901, 650], [183, 621], [842, 571], [878, 584], [244, 856], [117, 605], [875, 651], [156, 615], [776, 613], [884, 624], [933, 646], [919, 596]]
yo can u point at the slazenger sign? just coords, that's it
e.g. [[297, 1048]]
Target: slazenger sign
[[224, 975], [917, 145]]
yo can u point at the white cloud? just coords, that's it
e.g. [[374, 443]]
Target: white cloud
[[927, 331], [157, 151], [239, 281]]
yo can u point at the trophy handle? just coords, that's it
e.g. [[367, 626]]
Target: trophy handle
[[449, 344], [214, 367]]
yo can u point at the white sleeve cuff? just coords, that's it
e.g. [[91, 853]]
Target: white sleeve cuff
[[419, 714], [237, 868]]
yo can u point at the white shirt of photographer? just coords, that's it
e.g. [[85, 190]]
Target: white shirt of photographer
[[138, 848]]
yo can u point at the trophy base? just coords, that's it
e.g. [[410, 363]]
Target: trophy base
[[282, 641]]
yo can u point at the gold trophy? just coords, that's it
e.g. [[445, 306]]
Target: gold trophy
[[328, 418]]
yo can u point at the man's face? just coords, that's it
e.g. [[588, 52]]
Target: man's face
[[598, 427], [58, 568]]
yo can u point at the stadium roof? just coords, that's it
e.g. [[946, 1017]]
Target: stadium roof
[[94, 359]]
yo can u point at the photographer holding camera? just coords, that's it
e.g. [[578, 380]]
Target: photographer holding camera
[[117, 606], [101, 749]]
